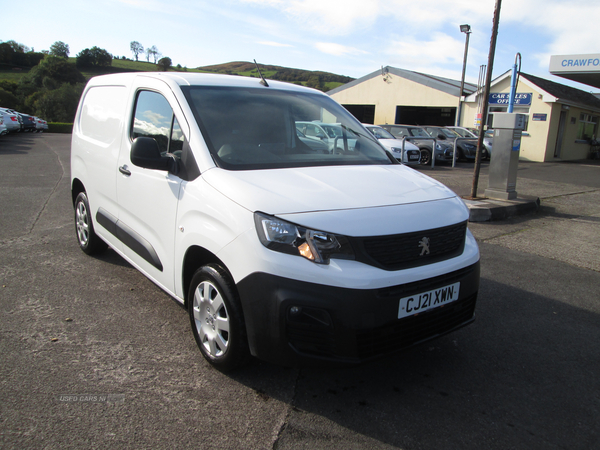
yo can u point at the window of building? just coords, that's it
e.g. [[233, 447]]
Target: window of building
[[588, 127]]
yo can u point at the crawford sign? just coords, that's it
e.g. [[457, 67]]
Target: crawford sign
[[502, 99], [575, 63]]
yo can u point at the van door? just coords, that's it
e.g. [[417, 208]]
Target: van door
[[148, 198], [97, 137]]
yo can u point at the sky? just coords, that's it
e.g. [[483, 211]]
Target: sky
[[345, 37]]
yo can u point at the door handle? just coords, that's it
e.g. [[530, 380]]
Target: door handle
[[124, 170]]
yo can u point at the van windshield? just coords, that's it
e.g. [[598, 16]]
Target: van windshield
[[264, 128]]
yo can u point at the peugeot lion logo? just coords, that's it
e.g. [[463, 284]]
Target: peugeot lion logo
[[424, 244]]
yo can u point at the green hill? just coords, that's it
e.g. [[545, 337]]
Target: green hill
[[323, 81]]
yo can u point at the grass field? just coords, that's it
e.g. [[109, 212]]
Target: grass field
[[12, 75]]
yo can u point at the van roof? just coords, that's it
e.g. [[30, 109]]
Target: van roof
[[199, 79]]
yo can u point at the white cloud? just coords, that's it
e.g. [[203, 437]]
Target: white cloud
[[439, 49], [331, 17], [149, 129], [274, 44], [156, 118], [337, 49], [567, 27]]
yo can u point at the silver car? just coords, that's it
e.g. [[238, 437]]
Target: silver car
[[420, 137], [412, 154]]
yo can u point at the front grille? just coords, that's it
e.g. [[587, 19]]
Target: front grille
[[404, 290], [402, 251], [414, 329]]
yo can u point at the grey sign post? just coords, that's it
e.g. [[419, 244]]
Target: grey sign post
[[504, 163]]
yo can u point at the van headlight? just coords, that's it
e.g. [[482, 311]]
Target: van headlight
[[317, 246]]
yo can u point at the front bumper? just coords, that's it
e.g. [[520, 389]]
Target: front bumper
[[291, 322], [444, 154]]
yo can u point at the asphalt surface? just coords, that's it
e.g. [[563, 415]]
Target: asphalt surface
[[93, 355]]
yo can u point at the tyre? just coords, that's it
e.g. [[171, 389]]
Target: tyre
[[88, 240], [425, 157], [217, 319]]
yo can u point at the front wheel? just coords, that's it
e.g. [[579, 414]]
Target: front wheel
[[425, 157], [87, 238], [217, 319]]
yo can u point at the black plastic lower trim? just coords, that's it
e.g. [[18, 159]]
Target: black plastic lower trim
[[292, 322], [129, 237]]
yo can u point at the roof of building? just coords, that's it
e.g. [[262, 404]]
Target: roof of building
[[446, 85], [564, 93]]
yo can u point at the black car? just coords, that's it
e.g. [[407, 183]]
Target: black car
[[465, 149], [28, 123]]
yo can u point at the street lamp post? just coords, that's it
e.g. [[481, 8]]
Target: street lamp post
[[467, 30]]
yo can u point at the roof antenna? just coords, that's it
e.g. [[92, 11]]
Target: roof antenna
[[262, 79]]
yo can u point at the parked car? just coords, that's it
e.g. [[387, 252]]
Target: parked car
[[331, 134], [488, 138], [443, 150], [11, 120], [314, 143], [27, 123], [3, 129], [412, 154], [39, 127], [277, 251], [465, 150]]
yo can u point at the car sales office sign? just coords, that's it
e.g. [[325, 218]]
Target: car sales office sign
[[521, 99]]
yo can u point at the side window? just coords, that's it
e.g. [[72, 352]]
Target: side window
[[154, 118]]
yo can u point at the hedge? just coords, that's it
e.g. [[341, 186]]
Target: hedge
[[54, 127]]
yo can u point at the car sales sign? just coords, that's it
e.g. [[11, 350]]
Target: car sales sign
[[499, 98]]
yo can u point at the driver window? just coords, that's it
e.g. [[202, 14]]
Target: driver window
[[154, 118]]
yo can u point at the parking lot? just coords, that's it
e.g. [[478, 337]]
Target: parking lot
[[93, 355]]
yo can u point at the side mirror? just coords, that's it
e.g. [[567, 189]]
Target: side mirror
[[441, 136], [145, 153]]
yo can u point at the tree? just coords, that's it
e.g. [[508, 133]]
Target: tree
[[59, 105], [55, 68], [13, 53], [60, 49], [164, 63], [101, 57], [8, 99], [152, 51], [17, 47], [136, 48], [94, 57]]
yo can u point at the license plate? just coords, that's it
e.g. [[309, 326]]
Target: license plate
[[413, 157], [424, 301]]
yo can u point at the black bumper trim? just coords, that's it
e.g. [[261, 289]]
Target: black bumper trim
[[340, 325]]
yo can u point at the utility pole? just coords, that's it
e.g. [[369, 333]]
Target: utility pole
[[486, 95]]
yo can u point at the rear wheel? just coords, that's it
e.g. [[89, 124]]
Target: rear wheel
[[217, 319], [425, 157], [87, 238]]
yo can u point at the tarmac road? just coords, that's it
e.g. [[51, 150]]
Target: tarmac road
[[93, 355]]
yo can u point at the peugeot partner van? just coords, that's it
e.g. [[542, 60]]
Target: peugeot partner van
[[277, 251]]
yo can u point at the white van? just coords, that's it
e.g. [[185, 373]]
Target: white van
[[278, 251]]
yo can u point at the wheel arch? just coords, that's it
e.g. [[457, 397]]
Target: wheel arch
[[196, 257], [76, 188]]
